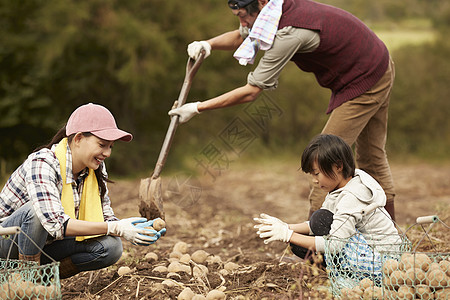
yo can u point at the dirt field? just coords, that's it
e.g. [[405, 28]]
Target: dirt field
[[216, 216]]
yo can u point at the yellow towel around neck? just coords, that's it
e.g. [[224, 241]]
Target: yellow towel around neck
[[90, 204]]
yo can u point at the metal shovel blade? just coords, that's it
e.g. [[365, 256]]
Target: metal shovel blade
[[150, 194]]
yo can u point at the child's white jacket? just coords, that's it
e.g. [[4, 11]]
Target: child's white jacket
[[348, 203]]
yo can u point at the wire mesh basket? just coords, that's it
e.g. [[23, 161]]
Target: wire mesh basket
[[21, 279], [357, 262], [363, 268], [416, 275]]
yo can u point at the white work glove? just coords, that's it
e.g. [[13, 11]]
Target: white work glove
[[186, 112], [194, 49], [126, 229], [272, 229]]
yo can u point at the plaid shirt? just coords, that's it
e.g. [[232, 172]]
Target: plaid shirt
[[39, 180]]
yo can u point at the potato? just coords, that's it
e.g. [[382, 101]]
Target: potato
[[424, 292], [445, 266], [198, 297], [159, 224], [215, 295], [25, 289], [344, 292], [186, 294], [175, 254], [423, 261], [348, 294], [434, 266], [174, 267], [406, 292], [151, 256], [124, 270], [373, 293], [223, 288], [231, 266], [442, 294], [185, 258], [396, 278], [199, 256], [436, 278], [358, 291], [45, 292], [181, 247], [414, 276], [169, 283], [418, 260], [389, 266], [160, 269], [17, 288], [387, 283], [390, 294], [186, 269], [7, 290], [156, 226], [214, 259], [365, 283], [170, 260], [4, 291], [378, 293], [406, 261], [200, 270]]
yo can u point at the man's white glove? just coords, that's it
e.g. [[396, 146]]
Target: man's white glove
[[195, 48], [272, 229], [186, 112], [128, 231]]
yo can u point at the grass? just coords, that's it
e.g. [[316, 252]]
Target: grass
[[398, 38], [408, 32]]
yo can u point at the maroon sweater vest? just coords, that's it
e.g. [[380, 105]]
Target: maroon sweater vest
[[350, 58]]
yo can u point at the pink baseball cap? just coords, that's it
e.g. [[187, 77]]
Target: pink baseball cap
[[97, 120]]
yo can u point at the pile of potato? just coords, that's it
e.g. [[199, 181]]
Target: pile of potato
[[183, 262], [17, 288], [417, 276], [364, 290], [414, 276], [180, 262]]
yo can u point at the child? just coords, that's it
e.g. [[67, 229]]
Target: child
[[350, 191], [60, 193]]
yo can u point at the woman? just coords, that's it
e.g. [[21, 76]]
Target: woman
[[59, 199]]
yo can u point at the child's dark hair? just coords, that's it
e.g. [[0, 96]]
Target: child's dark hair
[[101, 178], [328, 150]]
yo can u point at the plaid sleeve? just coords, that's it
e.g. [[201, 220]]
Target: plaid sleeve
[[44, 186], [108, 213]]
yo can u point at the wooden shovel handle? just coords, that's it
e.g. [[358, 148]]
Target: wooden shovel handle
[[191, 69]]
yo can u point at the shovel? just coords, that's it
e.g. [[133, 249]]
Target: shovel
[[151, 204]]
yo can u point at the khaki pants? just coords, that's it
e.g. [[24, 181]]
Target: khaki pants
[[363, 121]]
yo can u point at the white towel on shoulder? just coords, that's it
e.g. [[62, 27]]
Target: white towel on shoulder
[[262, 33]]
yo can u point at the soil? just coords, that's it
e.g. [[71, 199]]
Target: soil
[[215, 214]]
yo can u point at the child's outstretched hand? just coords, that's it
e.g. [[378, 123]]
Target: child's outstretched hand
[[272, 229]]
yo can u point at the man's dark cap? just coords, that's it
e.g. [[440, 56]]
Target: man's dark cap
[[237, 4]]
